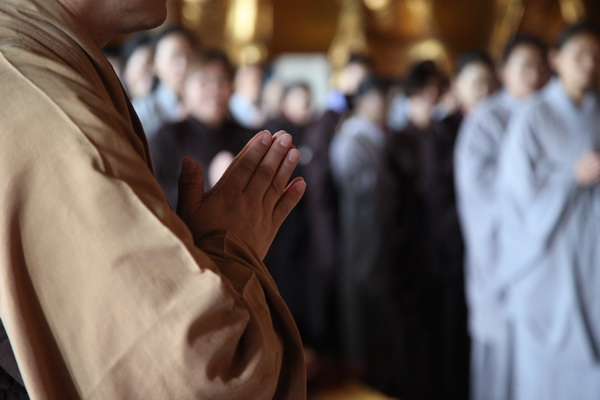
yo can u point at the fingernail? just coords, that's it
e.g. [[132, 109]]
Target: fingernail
[[293, 155], [266, 138], [286, 140], [301, 186], [189, 166]]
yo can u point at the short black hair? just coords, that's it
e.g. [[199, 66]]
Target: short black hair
[[361, 59], [522, 39], [582, 27], [372, 83], [296, 85], [201, 58], [420, 74], [476, 56], [131, 44]]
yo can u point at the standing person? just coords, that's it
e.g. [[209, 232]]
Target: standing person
[[288, 256], [245, 102], [523, 72], [357, 166], [321, 204], [550, 232], [136, 65], [105, 293], [431, 343], [172, 49], [208, 134], [474, 79]]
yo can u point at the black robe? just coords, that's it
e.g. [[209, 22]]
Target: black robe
[[423, 255], [322, 212], [194, 139], [287, 259]]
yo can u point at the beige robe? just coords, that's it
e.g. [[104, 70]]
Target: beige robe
[[103, 293]]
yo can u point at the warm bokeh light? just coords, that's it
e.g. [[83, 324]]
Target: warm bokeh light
[[241, 20]]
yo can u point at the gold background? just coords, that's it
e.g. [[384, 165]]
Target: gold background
[[393, 32]]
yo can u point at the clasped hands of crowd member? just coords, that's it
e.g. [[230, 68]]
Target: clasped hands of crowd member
[[587, 169], [252, 198]]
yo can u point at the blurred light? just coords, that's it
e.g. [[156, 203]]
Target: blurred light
[[428, 49], [191, 10], [242, 19], [420, 9], [377, 5], [572, 10], [252, 54]]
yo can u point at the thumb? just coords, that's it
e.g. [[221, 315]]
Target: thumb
[[191, 187]]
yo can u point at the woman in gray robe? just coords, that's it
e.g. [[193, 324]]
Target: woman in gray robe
[[357, 166], [523, 72], [550, 237]]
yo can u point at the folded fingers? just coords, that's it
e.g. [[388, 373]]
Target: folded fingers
[[267, 173]]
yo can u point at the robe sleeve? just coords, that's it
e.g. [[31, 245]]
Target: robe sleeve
[[537, 193], [103, 292], [476, 177]]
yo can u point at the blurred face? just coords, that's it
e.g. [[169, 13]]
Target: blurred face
[[248, 82], [474, 83], [352, 76], [525, 71], [271, 98], [137, 74], [372, 105], [577, 63], [296, 106], [171, 60], [207, 92], [430, 93]]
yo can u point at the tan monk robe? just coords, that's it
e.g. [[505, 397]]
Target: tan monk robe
[[103, 292]]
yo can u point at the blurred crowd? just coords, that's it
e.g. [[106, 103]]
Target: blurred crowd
[[394, 264]]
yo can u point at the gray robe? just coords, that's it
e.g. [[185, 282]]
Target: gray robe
[[357, 163], [476, 168], [550, 248]]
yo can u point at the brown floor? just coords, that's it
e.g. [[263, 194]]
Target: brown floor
[[350, 391]]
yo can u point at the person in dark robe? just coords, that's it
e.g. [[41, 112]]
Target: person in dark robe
[[208, 135], [428, 289], [357, 166], [411, 364], [287, 258], [321, 205]]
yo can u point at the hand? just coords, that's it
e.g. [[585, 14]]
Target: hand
[[252, 199], [587, 169]]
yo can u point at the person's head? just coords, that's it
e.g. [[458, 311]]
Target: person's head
[[474, 78], [357, 68], [248, 81], [425, 82], [105, 19], [172, 49], [296, 105], [370, 99], [136, 65], [576, 58], [272, 93], [208, 86], [524, 68]]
